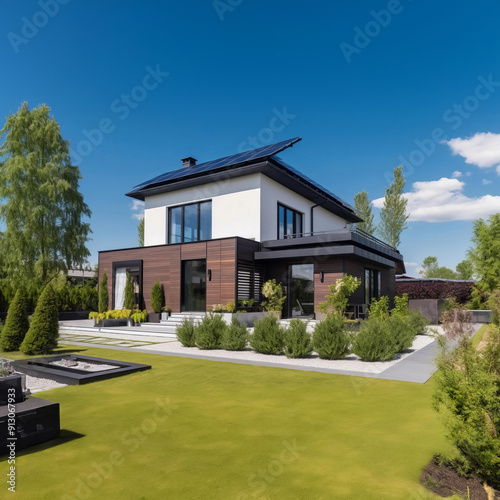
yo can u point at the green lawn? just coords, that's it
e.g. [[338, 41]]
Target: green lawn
[[191, 429]]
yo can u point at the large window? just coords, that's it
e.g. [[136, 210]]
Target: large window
[[372, 285], [289, 223], [189, 223]]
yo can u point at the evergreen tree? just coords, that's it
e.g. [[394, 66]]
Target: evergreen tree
[[103, 293], [393, 215], [16, 324], [157, 297], [44, 330], [363, 206], [129, 294], [140, 232], [42, 209]]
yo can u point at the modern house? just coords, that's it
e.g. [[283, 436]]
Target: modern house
[[215, 231]]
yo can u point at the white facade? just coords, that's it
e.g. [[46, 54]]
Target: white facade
[[243, 206]]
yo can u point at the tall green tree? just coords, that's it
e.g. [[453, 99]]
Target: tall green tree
[[486, 253], [363, 206], [465, 269], [431, 269], [103, 293], [16, 324], [43, 211], [393, 215], [140, 232]]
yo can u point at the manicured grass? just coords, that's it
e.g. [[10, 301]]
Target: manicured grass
[[61, 349], [191, 429]]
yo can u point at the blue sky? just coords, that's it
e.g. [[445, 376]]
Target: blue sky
[[368, 85]]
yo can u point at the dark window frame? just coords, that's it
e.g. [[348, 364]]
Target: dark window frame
[[198, 217], [127, 263], [295, 213], [373, 284]]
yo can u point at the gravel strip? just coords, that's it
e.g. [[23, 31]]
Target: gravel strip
[[350, 363]]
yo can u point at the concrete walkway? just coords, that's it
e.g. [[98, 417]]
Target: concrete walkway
[[412, 366]]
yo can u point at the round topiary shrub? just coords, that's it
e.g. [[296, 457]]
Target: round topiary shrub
[[16, 324], [235, 336], [267, 337], [298, 343], [331, 338], [375, 341], [185, 333], [208, 333], [44, 330]]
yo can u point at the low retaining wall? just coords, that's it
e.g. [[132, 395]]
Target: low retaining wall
[[248, 318]]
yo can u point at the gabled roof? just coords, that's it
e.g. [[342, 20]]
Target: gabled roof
[[263, 160]]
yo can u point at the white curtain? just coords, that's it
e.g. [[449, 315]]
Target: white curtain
[[120, 282]]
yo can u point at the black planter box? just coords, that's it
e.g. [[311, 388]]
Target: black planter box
[[35, 421], [9, 382], [154, 317]]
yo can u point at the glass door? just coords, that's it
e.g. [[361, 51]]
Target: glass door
[[301, 291], [194, 285]]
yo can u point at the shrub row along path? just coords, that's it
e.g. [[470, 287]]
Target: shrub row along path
[[414, 365]]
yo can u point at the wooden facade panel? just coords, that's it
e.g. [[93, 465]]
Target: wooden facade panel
[[214, 264], [228, 271], [191, 251], [173, 285]]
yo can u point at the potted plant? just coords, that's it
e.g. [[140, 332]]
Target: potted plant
[[139, 316], [165, 312], [275, 296]]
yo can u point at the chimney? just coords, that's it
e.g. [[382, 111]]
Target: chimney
[[188, 162]]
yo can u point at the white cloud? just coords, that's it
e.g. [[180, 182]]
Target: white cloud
[[138, 209], [456, 174], [498, 170], [486, 181], [443, 201], [411, 264], [482, 149]]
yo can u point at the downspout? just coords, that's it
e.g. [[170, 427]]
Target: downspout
[[312, 218]]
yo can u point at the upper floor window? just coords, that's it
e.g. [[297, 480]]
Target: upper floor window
[[189, 223], [289, 223]]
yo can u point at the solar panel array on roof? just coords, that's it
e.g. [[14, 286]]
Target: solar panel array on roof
[[312, 182], [254, 154]]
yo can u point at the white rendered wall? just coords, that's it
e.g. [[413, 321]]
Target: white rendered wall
[[235, 209], [246, 206], [274, 193]]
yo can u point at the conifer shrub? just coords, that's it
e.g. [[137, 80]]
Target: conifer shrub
[[43, 333], [157, 297], [401, 331], [129, 294], [185, 333], [235, 336], [267, 337], [417, 322], [375, 341], [298, 343], [103, 293], [379, 308], [332, 338], [207, 335], [16, 323]]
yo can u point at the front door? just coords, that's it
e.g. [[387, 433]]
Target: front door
[[194, 285], [301, 291]]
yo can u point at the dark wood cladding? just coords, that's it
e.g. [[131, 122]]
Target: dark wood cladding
[[332, 269], [164, 263]]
